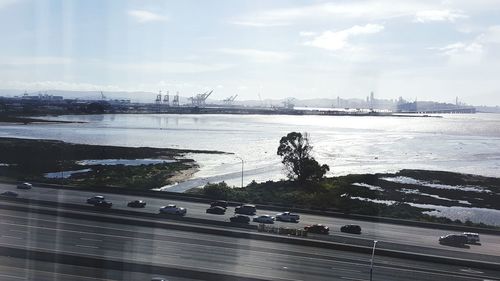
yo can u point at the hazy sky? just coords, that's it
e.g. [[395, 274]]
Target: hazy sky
[[433, 50]]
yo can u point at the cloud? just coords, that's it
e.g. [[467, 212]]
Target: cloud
[[366, 10], [5, 3], [461, 48], [492, 35], [438, 15], [170, 67], [22, 61], [476, 50], [338, 40], [259, 55], [257, 24], [57, 85], [307, 33], [143, 16]]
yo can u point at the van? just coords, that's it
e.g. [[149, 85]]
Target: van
[[472, 238]]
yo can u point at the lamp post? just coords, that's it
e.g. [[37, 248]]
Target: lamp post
[[241, 169], [371, 261]]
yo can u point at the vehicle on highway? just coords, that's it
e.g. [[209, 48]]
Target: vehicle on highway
[[246, 209], [172, 209], [351, 228], [9, 194], [136, 204], [219, 203], [216, 210], [453, 239], [472, 237], [287, 216], [263, 219], [158, 279], [103, 204], [24, 185], [240, 219], [95, 199], [317, 228]]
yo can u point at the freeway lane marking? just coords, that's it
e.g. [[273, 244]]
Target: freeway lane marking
[[348, 270], [87, 246], [21, 231], [49, 272], [470, 270], [12, 276], [14, 237], [356, 279], [90, 239]]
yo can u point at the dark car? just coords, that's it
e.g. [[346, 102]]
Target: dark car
[[103, 204], [9, 194], [246, 210], [24, 185], [95, 199], [137, 204], [219, 203], [217, 210], [351, 228], [317, 228], [240, 219], [453, 240]]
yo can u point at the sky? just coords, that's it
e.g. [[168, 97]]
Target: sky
[[424, 49]]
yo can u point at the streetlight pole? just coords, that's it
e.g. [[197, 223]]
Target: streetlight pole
[[241, 169], [371, 261]]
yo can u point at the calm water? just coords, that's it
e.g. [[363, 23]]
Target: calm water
[[458, 143]]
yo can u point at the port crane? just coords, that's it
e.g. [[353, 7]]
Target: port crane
[[200, 99], [166, 99], [175, 101], [230, 100]]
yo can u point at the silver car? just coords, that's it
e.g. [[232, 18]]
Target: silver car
[[264, 219], [172, 209]]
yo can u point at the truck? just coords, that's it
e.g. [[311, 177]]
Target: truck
[[288, 217]]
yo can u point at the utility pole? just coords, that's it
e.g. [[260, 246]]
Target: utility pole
[[371, 261]]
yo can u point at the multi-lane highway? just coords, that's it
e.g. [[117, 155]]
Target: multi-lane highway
[[407, 236], [230, 256], [190, 255]]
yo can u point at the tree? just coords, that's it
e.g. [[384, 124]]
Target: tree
[[295, 150], [217, 190]]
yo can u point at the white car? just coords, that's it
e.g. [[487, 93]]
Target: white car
[[263, 219], [95, 199], [172, 209], [287, 216], [24, 185]]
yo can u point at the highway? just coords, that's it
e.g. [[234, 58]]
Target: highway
[[16, 269], [409, 237], [202, 252]]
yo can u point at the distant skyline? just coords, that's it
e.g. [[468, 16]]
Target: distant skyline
[[433, 50]]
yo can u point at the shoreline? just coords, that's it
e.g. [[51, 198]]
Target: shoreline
[[52, 161]]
